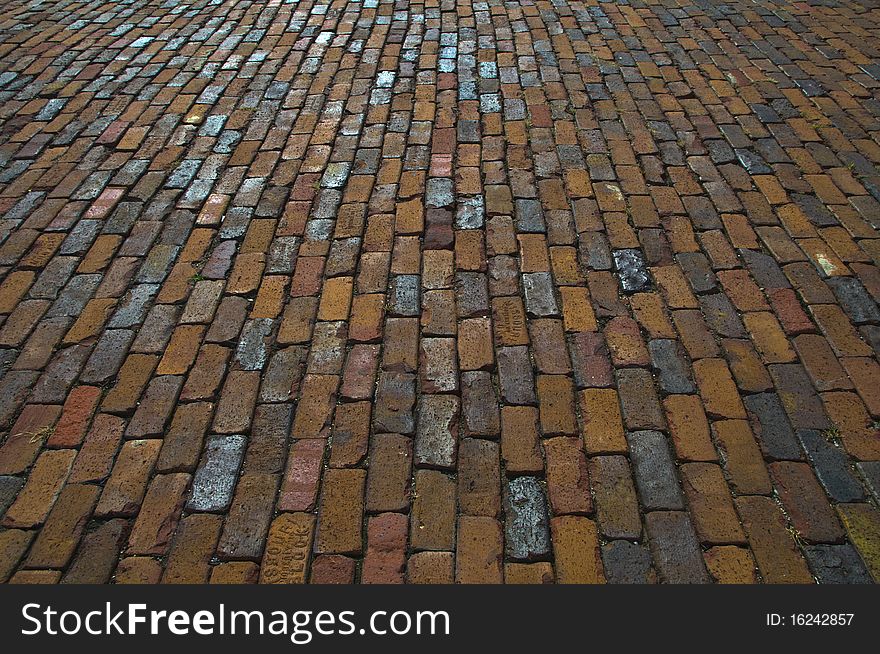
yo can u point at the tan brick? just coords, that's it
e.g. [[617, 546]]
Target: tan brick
[[743, 463], [335, 300], [602, 423], [341, 509], [44, 483], [719, 393], [576, 551], [479, 551]]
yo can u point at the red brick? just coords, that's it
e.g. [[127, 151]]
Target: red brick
[[75, 417], [385, 559], [568, 482], [299, 489]]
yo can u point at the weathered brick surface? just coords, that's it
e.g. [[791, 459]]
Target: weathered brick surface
[[314, 292]]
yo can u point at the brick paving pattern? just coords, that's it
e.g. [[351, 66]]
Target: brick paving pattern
[[370, 291]]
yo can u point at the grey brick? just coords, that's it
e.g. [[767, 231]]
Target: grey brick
[[654, 470], [527, 536], [215, 478]]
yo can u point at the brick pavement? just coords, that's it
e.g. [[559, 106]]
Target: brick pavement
[[439, 292]]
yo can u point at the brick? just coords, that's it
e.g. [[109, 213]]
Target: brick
[[216, 476], [205, 378], [95, 458], [430, 568], [235, 572], [124, 490], [155, 408], [857, 432], [837, 564], [667, 356], [333, 569], [314, 411], [689, 428], [654, 471], [674, 287], [59, 537], [710, 504], [181, 351], [516, 379], [299, 487], [831, 465], [839, 331], [13, 289], [335, 300], [577, 312], [638, 399], [747, 368], [509, 320], [132, 379], [401, 350], [625, 343], [568, 481], [97, 553], [805, 503], [22, 320], [775, 551], [41, 489], [800, 401], [617, 508], [787, 307], [433, 511], [251, 511], [479, 405], [862, 371], [182, 443], [159, 514], [528, 573], [695, 336], [519, 440], [388, 475], [556, 405], [90, 321], [650, 312], [479, 550], [75, 417], [437, 363], [351, 427], [478, 473], [367, 313], [741, 457], [675, 548], [475, 351], [138, 570], [341, 511], [190, 556], [770, 340], [9, 488], [526, 519], [437, 431], [731, 565], [385, 560], [627, 563], [719, 393], [576, 551], [287, 554], [27, 435], [359, 374]]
